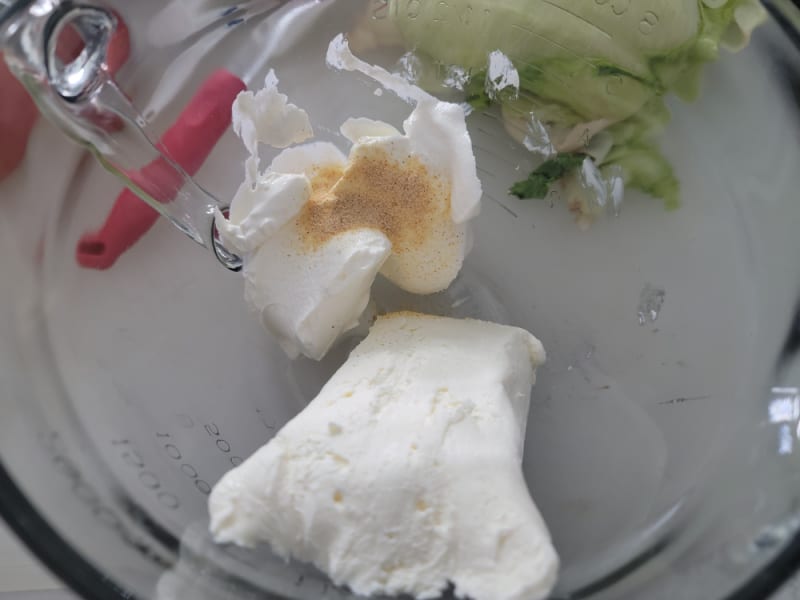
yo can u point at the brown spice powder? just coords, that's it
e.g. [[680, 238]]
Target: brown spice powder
[[402, 199]]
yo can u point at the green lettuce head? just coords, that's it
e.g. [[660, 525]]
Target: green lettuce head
[[585, 66]]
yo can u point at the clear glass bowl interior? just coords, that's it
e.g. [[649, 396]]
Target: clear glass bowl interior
[[662, 454]]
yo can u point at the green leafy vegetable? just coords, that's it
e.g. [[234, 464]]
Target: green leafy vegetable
[[585, 69], [539, 181], [476, 95], [646, 169]]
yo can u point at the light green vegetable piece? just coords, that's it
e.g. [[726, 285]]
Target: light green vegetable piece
[[586, 65], [624, 33], [646, 169], [539, 181]]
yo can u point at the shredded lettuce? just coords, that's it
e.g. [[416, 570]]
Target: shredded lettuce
[[584, 70], [539, 181], [646, 169]]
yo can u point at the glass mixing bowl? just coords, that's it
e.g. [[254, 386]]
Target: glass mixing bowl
[[662, 445]]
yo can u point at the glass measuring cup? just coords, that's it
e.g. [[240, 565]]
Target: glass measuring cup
[[657, 452]]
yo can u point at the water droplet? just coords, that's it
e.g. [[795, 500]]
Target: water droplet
[[593, 185], [409, 67], [615, 187], [455, 77], [537, 139], [651, 300], [501, 76]]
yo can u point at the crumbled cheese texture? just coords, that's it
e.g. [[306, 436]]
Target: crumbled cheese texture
[[404, 474], [316, 227]]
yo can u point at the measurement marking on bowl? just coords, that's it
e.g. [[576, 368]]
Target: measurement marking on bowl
[[618, 7], [264, 421], [648, 23], [683, 400], [129, 454], [90, 498], [222, 444], [173, 452], [503, 206]]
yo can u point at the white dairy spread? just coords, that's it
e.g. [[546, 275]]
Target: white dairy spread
[[444, 135], [267, 117], [316, 227], [403, 474]]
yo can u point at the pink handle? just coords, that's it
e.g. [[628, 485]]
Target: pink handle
[[188, 142]]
